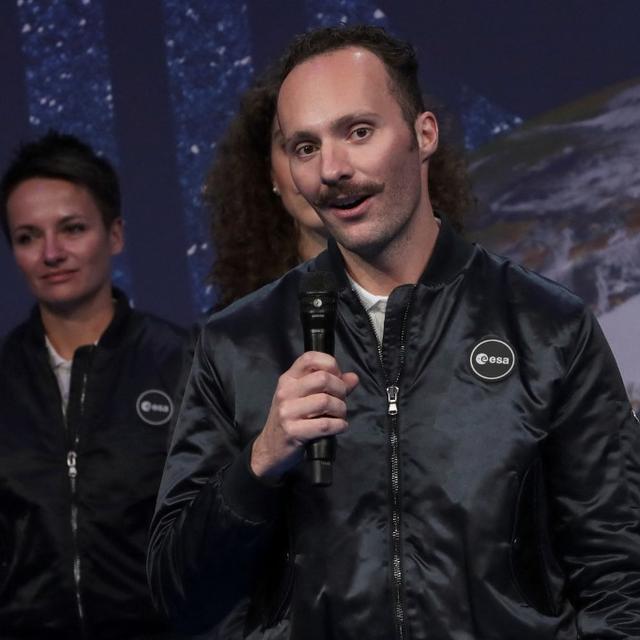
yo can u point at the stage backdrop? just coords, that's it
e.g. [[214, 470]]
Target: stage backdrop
[[547, 95]]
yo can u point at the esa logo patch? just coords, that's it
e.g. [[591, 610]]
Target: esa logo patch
[[492, 359], [154, 407]]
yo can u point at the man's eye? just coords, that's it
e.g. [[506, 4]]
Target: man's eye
[[360, 133], [305, 150]]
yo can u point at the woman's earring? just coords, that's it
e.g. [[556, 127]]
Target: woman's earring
[[275, 190]]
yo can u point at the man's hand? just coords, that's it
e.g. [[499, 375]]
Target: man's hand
[[309, 402]]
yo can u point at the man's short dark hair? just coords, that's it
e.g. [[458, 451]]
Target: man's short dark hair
[[63, 157], [398, 57]]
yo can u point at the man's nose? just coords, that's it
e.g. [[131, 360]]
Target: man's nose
[[53, 251], [335, 164]]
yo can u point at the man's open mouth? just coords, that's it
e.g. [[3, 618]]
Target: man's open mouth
[[345, 204]]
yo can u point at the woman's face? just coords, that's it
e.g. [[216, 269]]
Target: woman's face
[[60, 242], [297, 207]]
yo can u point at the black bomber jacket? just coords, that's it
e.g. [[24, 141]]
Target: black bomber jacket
[[77, 493], [501, 501]]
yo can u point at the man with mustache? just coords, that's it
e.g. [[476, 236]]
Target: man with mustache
[[486, 481]]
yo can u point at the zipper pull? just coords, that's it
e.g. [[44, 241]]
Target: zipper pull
[[392, 397], [72, 458]]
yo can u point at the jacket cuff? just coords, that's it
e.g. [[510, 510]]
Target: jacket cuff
[[252, 498]]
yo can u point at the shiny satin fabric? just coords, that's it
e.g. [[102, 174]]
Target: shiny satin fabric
[[518, 499]]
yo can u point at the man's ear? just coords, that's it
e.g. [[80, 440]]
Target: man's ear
[[426, 130], [116, 236]]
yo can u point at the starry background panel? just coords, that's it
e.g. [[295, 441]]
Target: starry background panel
[[209, 62]]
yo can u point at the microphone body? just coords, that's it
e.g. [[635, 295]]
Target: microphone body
[[318, 300]]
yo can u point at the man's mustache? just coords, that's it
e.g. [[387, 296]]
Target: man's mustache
[[348, 191]]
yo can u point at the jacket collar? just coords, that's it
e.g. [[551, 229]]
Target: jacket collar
[[450, 256], [110, 338], [116, 330]]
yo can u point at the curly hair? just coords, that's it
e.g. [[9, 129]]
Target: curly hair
[[254, 239]]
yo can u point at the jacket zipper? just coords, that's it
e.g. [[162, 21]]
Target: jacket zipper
[[72, 472], [392, 392]]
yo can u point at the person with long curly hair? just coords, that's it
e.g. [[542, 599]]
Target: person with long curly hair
[[260, 224]]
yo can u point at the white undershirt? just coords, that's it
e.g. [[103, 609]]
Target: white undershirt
[[62, 370], [375, 306]]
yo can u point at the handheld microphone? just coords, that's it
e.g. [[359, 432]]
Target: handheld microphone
[[318, 300]]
